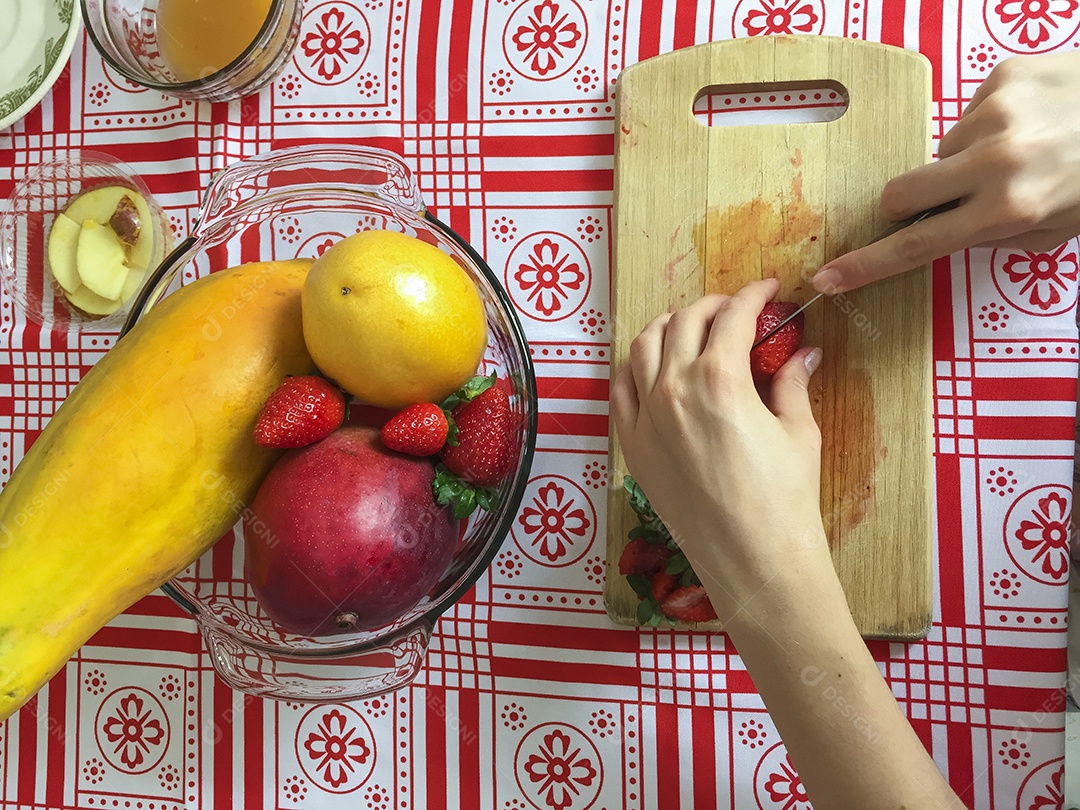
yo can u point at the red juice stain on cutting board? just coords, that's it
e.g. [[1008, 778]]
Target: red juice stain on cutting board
[[782, 237], [852, 445], [757, 238]]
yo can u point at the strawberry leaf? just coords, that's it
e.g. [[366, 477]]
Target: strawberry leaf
[[648, 610], [446, 485], [470, 391], [465, 504], [641, 585], [652, 530], [487, 498], [451, 430], [461, 496], [638, 500], [651, 533], [677, 563]]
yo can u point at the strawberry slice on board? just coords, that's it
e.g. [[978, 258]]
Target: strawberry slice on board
[[663, 585], [689, 604]]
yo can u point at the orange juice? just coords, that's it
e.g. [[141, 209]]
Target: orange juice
[[199, 37]]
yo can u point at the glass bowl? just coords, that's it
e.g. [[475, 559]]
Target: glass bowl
[[296, 202], [27, 220], [125, 33]]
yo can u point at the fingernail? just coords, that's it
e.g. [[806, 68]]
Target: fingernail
[[812, 361], [826, 280]]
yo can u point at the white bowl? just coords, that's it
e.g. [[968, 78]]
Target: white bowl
[[33, 51]]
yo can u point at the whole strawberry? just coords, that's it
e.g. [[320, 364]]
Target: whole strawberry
[[485, 439], [419, 430], [766, 359], [301, 411]]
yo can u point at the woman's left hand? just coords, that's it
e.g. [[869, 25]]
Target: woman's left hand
[[735, 480]]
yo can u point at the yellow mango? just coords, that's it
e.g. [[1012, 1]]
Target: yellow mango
[[145, 465]]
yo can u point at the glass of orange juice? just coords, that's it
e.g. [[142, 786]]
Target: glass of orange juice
[[210, 50]]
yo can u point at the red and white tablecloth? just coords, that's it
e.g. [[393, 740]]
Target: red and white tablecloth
[[530, 698]]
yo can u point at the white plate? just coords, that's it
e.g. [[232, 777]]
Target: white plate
[[33, 51]]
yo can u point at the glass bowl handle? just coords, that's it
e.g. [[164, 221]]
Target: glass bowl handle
[[335, 677], [303, 169]]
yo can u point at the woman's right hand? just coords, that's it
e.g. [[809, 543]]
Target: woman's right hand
[[1013, 160]]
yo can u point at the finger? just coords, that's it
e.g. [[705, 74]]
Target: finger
[[988, 86], [646, 353], [624, 404], [992, 108], [927, 186], [1039, 241], [956, 140], [735, 325], [911, 247], [973, 127], [789, 397], [687, 333]]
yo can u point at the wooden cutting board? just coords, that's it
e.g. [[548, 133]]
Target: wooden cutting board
[[704, 209]]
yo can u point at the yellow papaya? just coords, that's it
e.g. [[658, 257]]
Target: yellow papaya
[[144, 466]]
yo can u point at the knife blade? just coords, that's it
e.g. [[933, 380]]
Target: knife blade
[[895, 227]]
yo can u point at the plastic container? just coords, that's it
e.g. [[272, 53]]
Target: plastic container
[[25, 224]]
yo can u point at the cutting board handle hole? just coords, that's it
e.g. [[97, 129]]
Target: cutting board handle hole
[[805, 102]]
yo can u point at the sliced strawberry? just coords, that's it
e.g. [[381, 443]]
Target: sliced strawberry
[[690, 604], [419, 430], [766, 359], [663, 584], [643, 558], [301, 411]]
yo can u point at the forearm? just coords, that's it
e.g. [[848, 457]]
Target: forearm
[[846, 735]]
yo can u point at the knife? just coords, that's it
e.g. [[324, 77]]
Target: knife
[[889, 231]]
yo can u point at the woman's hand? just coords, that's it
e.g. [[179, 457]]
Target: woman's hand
[[1013, 160], [735, 480]]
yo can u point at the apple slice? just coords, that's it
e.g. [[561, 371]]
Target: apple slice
[[140, 253], [106, 205], [63, 245], [132, 284], [98, 204], [99, 260], [91, 303]]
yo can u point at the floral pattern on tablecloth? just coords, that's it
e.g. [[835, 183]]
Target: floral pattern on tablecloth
[[529, 697]]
